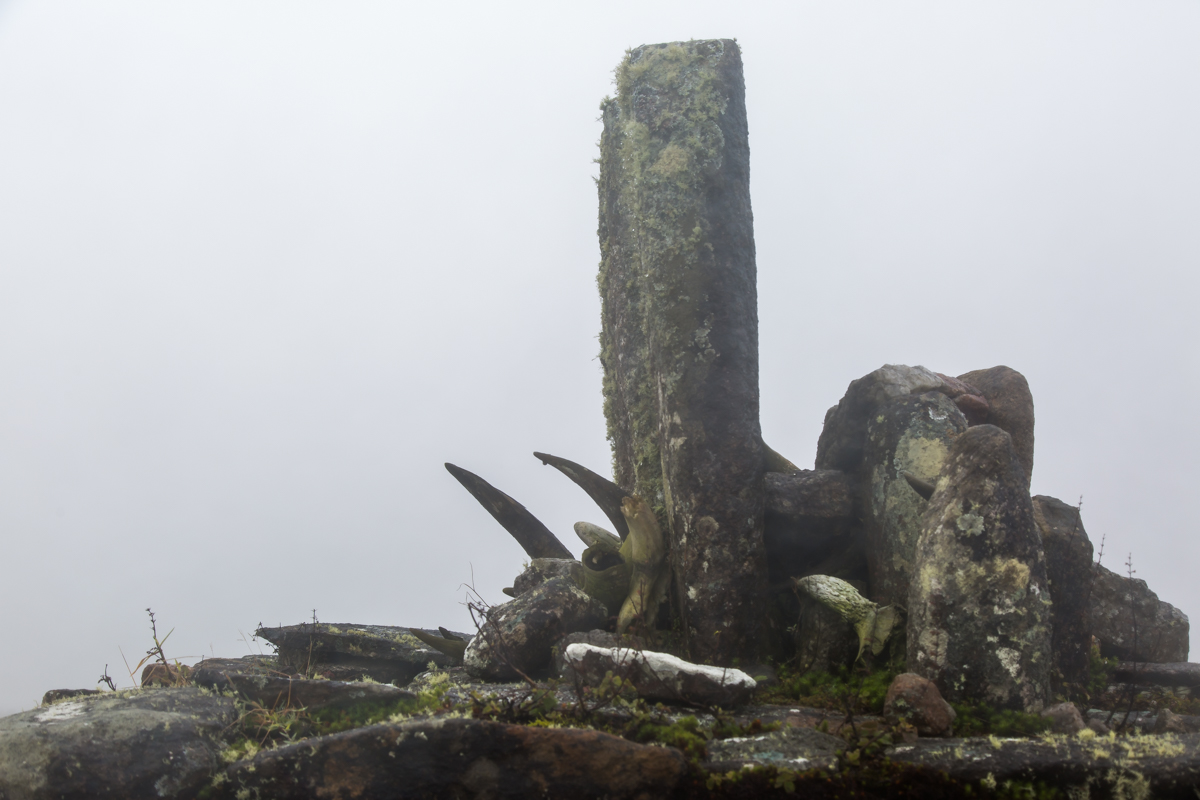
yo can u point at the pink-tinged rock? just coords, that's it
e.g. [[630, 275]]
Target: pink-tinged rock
[[1064, 718], [917, 701], [1010, 408]]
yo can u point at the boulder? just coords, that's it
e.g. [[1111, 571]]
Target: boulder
[[1010, 408], [457, 758], [809, 517], [918, 702], [824, 640], [598, 638], [1158, 674], [278, 692], [1069, 572], [1168, 721], [541, 570], [907, 437], [151, 743], [979, 607], [1132, 624], [516, 637], [351, 652], [1064, 718], [659, 676], [54, 695], [844, 434]]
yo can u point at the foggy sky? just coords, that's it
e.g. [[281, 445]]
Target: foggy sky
[[265, 267]]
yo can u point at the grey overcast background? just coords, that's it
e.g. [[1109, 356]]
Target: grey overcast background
[[265, 266]]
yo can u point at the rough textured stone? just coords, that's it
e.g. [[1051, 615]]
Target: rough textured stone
[[844, 436], [1064, 718], [598, 638], [1120, 606], [809, 517], [1159, 674], [1158, 767], [542, 569], [278, 692], [1069, 571], [458, 758], [679, 336], [824, 640], [918, 702], [517, 636], [797, 749], [659, 676], [1168, 721], [1010, 408], [54, 695], [351, 652], [147, 744], [910, 434], [979, 609]]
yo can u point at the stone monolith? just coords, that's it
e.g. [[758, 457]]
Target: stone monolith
[[679, 338]]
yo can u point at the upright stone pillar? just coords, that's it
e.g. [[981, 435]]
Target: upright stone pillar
[[679, 342]]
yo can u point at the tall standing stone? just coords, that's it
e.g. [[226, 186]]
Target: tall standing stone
[[979, 622], [679, 342]]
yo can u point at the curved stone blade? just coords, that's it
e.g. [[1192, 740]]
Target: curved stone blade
[[606, 493], [923, 488], [451, 647], [593, 535], [534, 537]]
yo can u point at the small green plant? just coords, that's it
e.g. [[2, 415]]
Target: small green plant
[[980, 719], [865, 690]]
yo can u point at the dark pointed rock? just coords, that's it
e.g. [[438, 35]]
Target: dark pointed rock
[[1069, 570], [604, 492], [534, 537]]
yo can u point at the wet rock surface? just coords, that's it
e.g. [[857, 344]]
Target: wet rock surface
[[979, 606], [518, 636], [348, 652], [1120, 606], [282, 692], [458, 758], [1130, 766], [1069, 572], [541, 570], [1158, 674], [791, 748], [1064, 718], [147, 744], [658, 676], [907, 437]]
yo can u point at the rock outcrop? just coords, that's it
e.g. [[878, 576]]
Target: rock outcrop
[[658, 676], [1132, 624], [917, 701], [148, 744], [1010, 408], [1069, 572], [517, 637], [349, 652], [979, 607], [457, 758]]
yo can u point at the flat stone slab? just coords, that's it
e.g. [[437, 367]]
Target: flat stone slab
[[278, 692], [149, 743], [347, 652], [797, 749]]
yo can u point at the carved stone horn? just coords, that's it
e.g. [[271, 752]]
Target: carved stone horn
[[534, 537], [606, 493]]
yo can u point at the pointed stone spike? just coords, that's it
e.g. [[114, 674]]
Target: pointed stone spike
[[534, 537], [592, 535], [606, 493], [448, 635], [451, 647], [923, 488]]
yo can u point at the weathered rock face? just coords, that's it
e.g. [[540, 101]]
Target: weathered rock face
[[824, 640], [797, 749], [1064, 718], [844, 436], [809, 519], [148, 744], [679, 338], [659, 676], [1069, 570], [517, 636], [542, 569], [351, 652], [1120, 605], [1010, 408], [907, 435], [979, 606], [458, 758], [275, 692], [918, 702]]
